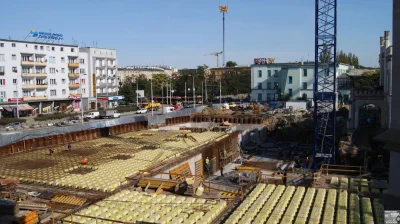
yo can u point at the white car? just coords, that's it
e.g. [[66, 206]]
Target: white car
[[141, 111]]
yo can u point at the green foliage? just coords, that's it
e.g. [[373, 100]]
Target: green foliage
[[350, 59], [303, 97], [5, 121], [186, 76], [128, 92], [368, 81], [231, 64], [343, 112], [45, 117], [285, 97], [236, 81]]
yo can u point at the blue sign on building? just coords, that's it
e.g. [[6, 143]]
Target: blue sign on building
[[46, 35]]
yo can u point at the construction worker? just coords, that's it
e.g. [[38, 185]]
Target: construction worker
[[69, 147], [208, 165], [51, 151], [307, 162], [84, 160]]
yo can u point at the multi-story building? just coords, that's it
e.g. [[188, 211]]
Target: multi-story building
[[147, 71], [101, 70], [296, 79], [47, 77], [44, 75]]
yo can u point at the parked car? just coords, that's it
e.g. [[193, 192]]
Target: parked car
[[92, 115], [13, 125], [141, 111]]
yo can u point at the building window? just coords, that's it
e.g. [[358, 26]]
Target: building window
[[53, 92], [83, 81], [268, 85], [62, 59], [36, 47], [2, 58], [2, 82], [26, 93], [3, 94], [82, 70], [62, 70], [259, 97], [259, 85], [275, 73], [14, 69], [61, 49], [63, 81], [304, 85], [41, 48], [1, 44], [72, 49], [13, 45], [82, 61], [64, 92], [269, 73], [276, 85], [15, 93], [53, 82], [304, 72], [290, 92], [14, 57], [290, 80], [14, 81], [52, 70], [259, 73], [52, 59], [2, 70], [305, 96], [83, 91], [53, 48], [269, 96], [47, 48]]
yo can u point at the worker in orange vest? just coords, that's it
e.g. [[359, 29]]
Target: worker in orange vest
[[84, 160]]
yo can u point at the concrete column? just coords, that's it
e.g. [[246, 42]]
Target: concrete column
[[40, 107], [52, 107]]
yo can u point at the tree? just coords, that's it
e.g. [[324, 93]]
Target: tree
[[350, 59], [128, 91], [368, 81], [325, 55], [284, 97], [236, 81], [230, 64]]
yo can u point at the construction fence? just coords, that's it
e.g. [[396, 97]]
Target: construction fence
[[32, 139]]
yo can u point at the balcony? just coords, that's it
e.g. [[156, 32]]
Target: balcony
[[73, 65], [34, 98], [41, 63], [74, 86], [27, 63], [28, 86], [73, 75], [33, 75], [41, 86]]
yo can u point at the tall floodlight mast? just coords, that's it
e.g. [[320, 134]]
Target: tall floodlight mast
[[223, 9], [325, 82]]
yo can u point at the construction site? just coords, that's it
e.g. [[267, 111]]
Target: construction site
[[212, 167]]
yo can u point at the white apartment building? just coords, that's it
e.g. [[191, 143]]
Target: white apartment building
[[102, 74], [47, 77], [295, 79]]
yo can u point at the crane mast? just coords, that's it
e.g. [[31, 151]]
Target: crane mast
[[325, 82]]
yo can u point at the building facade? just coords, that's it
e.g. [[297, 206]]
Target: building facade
[[50, 77], [148, 71], [218, 72], [295, 79], [101, 70]]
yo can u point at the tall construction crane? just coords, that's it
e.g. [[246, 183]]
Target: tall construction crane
[[215, 54], [325, 82]]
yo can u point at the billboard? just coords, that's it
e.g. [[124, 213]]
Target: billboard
[[140, 93], [94, 84]]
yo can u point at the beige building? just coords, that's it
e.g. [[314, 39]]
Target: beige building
[[148, 71]]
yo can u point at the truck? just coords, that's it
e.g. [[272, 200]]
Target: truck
[[109, 114], [92, 115], [151, 106]]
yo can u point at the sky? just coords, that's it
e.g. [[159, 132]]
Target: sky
[[180, 32]]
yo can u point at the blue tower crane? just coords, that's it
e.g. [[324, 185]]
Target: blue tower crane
[[325, 82]]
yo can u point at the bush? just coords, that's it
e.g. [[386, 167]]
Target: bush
[[45, 117], [5, 121]]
